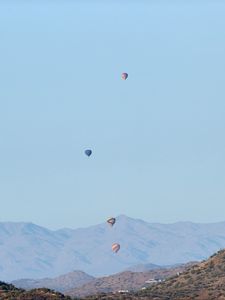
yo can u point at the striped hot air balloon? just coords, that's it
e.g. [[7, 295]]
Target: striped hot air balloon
[[111, 221], [124, 76], [115, 247]]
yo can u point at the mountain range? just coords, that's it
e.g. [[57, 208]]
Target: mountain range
[[31, 251], [61, 283]]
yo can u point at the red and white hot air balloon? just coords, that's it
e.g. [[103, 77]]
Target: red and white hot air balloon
[[115, 247], [124, 76], [111, 221]]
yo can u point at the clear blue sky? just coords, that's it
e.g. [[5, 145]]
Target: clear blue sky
[[158, 139]]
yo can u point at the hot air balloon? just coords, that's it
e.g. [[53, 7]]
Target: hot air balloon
[[88, 152], [115, 247], [124, 76], [111, 221]]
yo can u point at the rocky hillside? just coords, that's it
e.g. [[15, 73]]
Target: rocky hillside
[[60, 283], [128, 280], [203, 281], [9, 292]]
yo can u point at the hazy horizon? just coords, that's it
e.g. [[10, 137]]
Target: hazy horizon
[[104, 222]]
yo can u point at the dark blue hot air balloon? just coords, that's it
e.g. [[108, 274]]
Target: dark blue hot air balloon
[[88, 152]]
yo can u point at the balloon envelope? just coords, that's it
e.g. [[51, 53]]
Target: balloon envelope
[[88, 152], [115, 247], [124, 76], [111, 221]]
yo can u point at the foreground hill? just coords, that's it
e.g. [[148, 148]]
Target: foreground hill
[[9, 292], [203, 281], [60, 283], [128, 280], [31, 251]]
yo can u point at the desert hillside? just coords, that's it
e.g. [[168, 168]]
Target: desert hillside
[[131, 281], [202, 281], [205, 280]]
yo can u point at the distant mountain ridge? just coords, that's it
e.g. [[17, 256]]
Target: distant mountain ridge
[[144, 267], [31, 251], [60, 284], [151, 267]]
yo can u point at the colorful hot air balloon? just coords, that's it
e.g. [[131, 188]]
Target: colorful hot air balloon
[[115, 247], [88, 152], [124, 76], [111, 221]]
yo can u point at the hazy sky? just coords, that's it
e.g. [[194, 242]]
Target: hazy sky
[[158, 139]]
